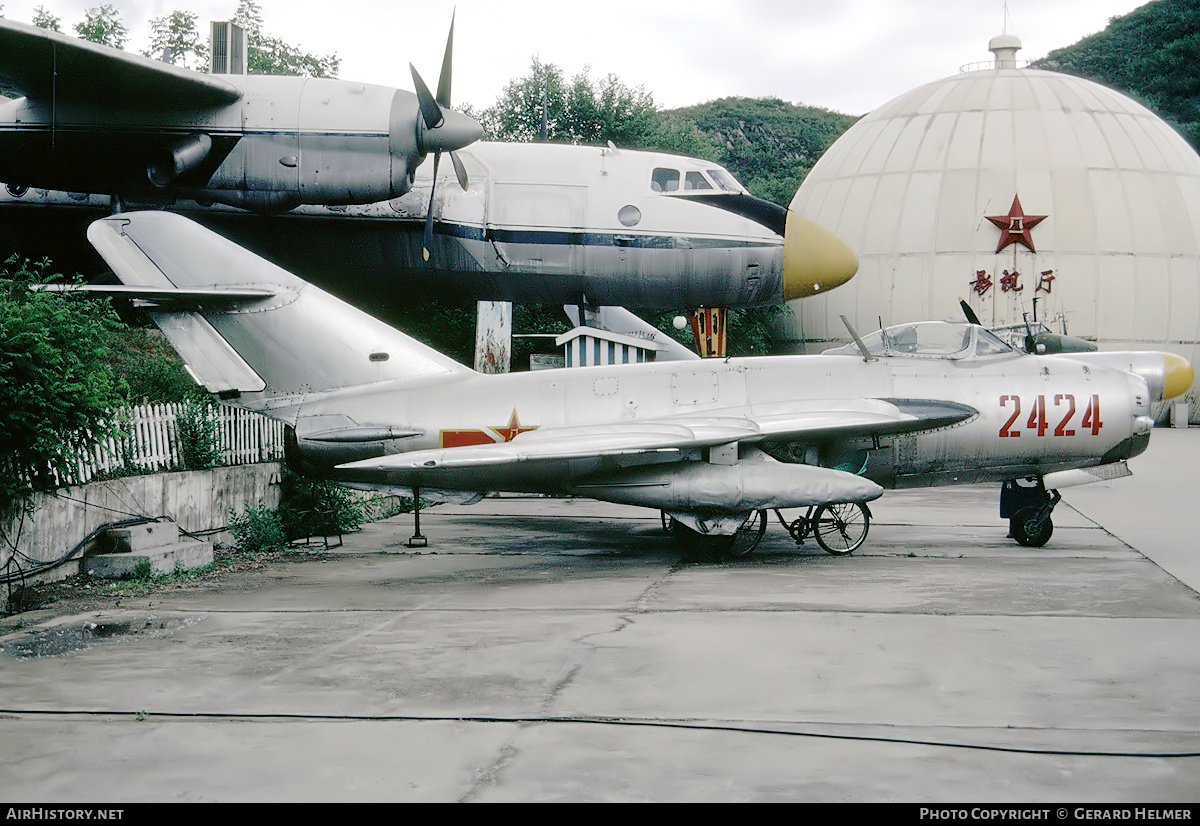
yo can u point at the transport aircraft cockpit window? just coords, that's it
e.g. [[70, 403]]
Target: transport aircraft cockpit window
[[696, 180], [665, 180], [724, 180]]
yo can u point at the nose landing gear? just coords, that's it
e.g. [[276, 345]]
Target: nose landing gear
[[1027, 507]]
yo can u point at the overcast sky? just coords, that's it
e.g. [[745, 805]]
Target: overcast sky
[[849, 55]]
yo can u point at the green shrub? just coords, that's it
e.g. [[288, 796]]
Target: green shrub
[[142, 571], [257, 530], [199, 435], [317, 507], [56, 384]]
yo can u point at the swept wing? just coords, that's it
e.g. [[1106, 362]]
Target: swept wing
[[813, 419]]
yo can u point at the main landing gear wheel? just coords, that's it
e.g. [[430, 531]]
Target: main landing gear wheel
[[698, 547], [842, 528], [1025, 529], [748, 535]]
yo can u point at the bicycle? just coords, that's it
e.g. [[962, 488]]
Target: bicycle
[[840, 528]]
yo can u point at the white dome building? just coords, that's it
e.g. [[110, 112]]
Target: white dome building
[[1090, 199]]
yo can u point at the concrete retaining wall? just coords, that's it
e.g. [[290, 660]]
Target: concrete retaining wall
[[198, 501]]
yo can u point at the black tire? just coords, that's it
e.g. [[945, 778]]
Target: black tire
[[748, 535], [841, 528], [698, 547], [1022, 528]]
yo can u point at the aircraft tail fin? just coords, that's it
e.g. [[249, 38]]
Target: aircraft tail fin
[[248, 329]]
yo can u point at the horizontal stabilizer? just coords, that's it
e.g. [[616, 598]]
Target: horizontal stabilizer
[[167, 297]]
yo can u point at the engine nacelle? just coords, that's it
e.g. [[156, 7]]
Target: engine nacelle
[[320, 142], [747, 485], [183, 158]]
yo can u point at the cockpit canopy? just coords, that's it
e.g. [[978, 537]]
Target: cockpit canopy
[[683, 181], [931, 340]]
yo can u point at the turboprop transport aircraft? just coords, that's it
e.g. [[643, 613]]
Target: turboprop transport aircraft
[[713, 443], [325, 177], [543, 223], [555, 223]]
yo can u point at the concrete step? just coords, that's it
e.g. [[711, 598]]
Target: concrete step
[[184, 555], [145, 536]]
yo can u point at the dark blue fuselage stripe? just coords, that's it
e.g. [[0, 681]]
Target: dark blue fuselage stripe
[[593, 239]]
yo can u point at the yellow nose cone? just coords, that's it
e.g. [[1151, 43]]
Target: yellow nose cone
[[1179, 376], [814, 259]]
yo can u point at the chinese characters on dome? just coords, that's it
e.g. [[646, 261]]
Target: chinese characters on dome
[[1010, 282]]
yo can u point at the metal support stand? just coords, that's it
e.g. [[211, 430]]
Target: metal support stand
[[710, 331], [417, 540], [493, 336]]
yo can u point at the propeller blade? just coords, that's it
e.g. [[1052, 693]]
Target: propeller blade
[[969, 313], [427, 241], [460, 170], [431, 113], [443, 95]]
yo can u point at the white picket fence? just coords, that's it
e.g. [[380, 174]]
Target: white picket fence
[[152, 442]]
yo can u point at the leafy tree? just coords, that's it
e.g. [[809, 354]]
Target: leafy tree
[[102, 24], [445, 324], [149, 368], [44, 19], [272, 56], [583, 111], [177, 33], [54, 378]]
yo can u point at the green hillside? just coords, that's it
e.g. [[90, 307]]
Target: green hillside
[[1150, 54], [767, 143]]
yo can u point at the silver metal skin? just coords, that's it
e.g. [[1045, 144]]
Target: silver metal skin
[[98, 120], [537, 223], [939, 404]]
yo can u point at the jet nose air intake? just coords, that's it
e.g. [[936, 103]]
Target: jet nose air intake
[[814, 259]]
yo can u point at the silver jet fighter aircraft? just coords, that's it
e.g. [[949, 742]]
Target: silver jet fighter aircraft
[[714, 444]]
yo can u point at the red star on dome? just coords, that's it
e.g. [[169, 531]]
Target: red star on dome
[[513, 429], [1015, 226]]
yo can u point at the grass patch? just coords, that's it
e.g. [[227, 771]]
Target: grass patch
[[143, 580]]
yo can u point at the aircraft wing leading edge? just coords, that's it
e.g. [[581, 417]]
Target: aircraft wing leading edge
[[812, 419]]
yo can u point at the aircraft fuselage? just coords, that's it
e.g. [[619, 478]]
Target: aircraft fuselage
[[1011, 417], [538, 223]]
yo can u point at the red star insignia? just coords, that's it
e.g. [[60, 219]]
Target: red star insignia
[[513, 429], [1015, 226]]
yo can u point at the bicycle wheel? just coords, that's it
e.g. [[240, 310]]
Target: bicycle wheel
[[748, 535], [841, 528]]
